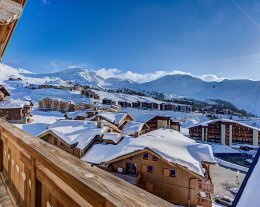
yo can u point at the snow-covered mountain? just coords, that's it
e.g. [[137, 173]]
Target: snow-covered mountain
[[78, 75], [245, 94]]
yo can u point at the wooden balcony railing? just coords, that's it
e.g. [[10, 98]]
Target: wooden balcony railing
[[206, 187], [39, 174], [204, 201]]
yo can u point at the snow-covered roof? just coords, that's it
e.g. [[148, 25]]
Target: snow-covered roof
[[206, 123], [132, 127], [3, 89], [169, 144], [14, 104], [74, 115], [10, 11], [249, 192], [115, 118], [145, 117], [75, 132], [113, 136]]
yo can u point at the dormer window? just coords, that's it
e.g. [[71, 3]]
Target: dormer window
[[145, 156], [172, 173], [155, 158]]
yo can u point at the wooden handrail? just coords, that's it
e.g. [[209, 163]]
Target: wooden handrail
[[95, 186]]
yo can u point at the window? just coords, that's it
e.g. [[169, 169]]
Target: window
[[150, 169], [55, 142], [172, 173], [145, 156], [155, 158]]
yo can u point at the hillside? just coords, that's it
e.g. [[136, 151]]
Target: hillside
[[244, 94]]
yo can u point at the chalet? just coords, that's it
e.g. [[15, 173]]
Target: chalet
[[112, 138], [84, 105], [3, 93], [74, 137], [89, 94], [135, 129], [80, 115], [117, 119], [158, 121], [55, 104], [163, 162], [226, 132], [16, 111]]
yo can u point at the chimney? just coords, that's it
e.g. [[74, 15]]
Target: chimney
[[100, 124]]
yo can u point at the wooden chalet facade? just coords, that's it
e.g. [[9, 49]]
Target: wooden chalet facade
[[77, 147], [83, 106], [53, 104], [55, 140], [17, 112], [3, 93], [89, 94], [159, 121], [226, 132], [169, 181]]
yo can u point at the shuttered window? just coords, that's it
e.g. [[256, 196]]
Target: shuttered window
[[166, 172]]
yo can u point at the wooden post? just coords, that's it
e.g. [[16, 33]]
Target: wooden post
[[223, 133], [255, 137], [1, 155], [206, 137], [203, 134], [230, 135]]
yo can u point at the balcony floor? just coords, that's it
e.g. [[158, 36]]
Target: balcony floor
[[5, 200]]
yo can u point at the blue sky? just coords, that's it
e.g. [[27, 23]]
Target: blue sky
[[220, 37]]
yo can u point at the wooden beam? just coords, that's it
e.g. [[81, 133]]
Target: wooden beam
[[12, 27]]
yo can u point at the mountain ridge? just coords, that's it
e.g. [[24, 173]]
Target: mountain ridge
[[243, 93]]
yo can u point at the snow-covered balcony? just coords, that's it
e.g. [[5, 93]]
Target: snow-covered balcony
[[129, 178]]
